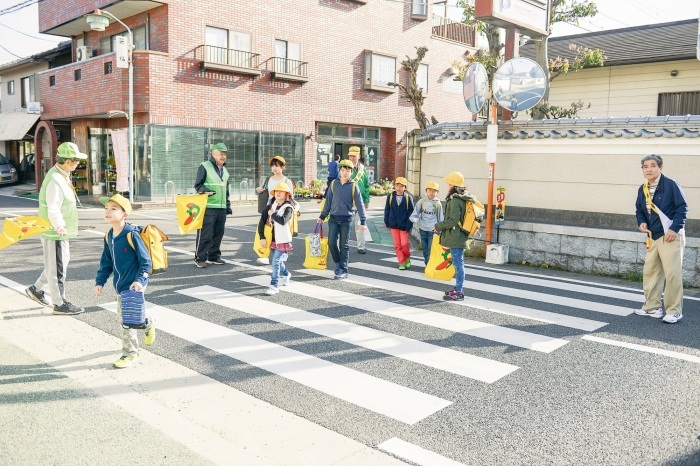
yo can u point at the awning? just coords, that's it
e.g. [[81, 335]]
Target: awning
[[14, 126]]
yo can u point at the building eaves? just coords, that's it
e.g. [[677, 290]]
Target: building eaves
[[591, 128], [40, 57], [650, 43]]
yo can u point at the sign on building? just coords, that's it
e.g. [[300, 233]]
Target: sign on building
[[527, 15], [122, 49], [34, 107]]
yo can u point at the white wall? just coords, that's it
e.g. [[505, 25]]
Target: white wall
[[12, 103]]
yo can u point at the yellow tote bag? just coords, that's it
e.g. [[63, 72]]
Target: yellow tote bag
[[440, 263], [316, 261], [259, 250]]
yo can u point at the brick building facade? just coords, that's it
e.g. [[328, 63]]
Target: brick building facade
[[290, 78]]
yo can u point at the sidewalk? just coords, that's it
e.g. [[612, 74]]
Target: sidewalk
[[61, 402]]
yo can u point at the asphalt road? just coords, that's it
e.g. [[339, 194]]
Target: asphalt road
[[535, 367]]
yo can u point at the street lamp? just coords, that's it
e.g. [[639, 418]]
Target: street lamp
[[98, 21]]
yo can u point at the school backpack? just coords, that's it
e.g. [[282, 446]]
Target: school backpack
[[354, 188], [153, 238], [473, 216]]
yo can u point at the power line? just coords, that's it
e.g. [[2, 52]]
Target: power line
[[1, 47], [19, 6], [25, 34]]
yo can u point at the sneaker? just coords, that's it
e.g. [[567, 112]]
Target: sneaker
[[126, 360], [218, 261], [201, 265], [341, 276], [454, 296], [672, 319], [362, 251], [284, 281], [453, 290], [402, 266], [149, 336], [656, 313], [408, 263], [273, 290], [36, 295], [67, 309]]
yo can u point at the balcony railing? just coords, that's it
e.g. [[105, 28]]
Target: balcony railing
[[446, 28], [289, 70], [223, 59]]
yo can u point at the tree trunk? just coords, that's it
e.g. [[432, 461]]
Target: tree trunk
[[541, 57]]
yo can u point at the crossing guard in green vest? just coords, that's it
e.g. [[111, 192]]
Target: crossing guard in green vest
[[212, 178], [58, 205]]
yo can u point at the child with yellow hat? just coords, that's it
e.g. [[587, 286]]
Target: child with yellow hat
[[397, 213], [427, 213]]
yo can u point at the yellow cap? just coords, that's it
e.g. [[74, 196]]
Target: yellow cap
[[433, 185], [354, 150], [401, 180], [281, 187], [346, 163], [455, 179], [119, 199], [279, 158]]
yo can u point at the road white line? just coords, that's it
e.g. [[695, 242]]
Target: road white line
[[386, 398], [454, 362], [415, 454], [511, 292], [545, 282], [499, 308], [646, 349], [491, 332]]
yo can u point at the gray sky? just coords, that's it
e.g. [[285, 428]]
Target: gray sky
[[613, 14]]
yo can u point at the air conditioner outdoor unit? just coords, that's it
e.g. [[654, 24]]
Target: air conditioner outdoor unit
[[83, 53]]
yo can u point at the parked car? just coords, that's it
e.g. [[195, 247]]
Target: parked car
[[8, 173]]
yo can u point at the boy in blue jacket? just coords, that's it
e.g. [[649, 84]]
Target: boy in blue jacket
[[397, 213], [130, 264]]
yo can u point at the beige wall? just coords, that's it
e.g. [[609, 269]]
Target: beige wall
[[592, 175], [628, 90], [12, 103]]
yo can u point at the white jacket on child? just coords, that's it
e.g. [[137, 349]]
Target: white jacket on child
[[283, 232]]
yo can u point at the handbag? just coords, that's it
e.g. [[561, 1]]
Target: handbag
[[259, 250], [264, 196], [440, 262], [133, 306], [315, 241], [319, 261]]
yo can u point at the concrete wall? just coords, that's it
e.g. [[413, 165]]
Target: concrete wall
[[12, 103]]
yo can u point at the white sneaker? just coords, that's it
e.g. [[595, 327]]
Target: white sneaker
[[272, 290], [284, 281], [672, 319], [656, 313]]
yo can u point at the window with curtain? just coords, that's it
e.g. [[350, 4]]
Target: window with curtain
[[422, 77], [380, 70]]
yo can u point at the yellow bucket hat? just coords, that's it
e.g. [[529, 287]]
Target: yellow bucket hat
[[433, 185], [401, 180], [455, 179], [119, 199]]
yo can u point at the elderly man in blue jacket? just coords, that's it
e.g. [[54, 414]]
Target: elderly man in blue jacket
[[661, 214]]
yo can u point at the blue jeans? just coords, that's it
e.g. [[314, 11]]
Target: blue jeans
[[426, 240], [339, 251], [277, 259], [458, 262]]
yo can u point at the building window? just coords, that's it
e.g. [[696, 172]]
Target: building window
[[27, 90], [11, 87], [108, 67], [419, 9], [78, 75], [380, 70], [287, 57], [108, 43], [52, 80], [228, 47], [422, 77], [679, 103]]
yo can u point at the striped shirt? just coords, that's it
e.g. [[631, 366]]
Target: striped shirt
[[652, 190]]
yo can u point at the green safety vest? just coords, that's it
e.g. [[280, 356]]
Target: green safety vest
[[214, 183], [69, 211]]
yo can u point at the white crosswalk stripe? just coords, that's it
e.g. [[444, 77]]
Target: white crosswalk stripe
[[544, 282], [455, 362], [486, 331], [395, 401], [500, 308], [512, 292]]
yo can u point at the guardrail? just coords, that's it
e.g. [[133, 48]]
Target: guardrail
[[165, 191]]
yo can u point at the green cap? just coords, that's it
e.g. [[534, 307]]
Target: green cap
[[220, 147], [347, 164], [68, 150]]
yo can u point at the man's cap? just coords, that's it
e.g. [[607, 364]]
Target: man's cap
[[346, 163], [220, 147], [119, 199], [433, 185], [69, 150], [455, 179], [354, 150], [401, 180], [279, 158], [281, 187]]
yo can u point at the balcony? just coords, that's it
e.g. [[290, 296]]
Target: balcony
[[447, 29], [286, 69], [230, 60]]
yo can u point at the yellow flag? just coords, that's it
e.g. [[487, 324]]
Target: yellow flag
[[19, 228], [190, 211]]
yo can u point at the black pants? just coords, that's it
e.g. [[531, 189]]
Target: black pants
[[210, 235]]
